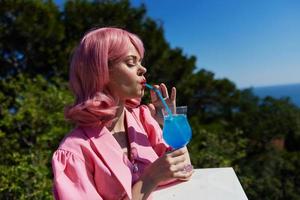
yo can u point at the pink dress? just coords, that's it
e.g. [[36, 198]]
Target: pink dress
[[90, 164]]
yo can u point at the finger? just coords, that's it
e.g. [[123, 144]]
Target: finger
[[187, 177], [156, 86], [173, 94], [178, 159], [153, 96], [164, 90], [183, 175], [177, 168], [152, 109], [188, 168], [178, 152]]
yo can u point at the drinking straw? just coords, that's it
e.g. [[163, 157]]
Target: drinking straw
[[161, 98]]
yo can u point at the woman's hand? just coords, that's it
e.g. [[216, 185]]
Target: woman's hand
[[173, 165], [156, 105], [188, 165]]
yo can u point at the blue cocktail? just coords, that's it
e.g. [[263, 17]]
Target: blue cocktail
[[177, 131]]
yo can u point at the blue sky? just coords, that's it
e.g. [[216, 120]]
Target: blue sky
[[253, 43]]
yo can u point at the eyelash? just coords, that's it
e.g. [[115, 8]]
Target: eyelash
[[131, 63]]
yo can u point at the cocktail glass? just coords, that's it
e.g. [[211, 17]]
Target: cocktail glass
[[177, 131]]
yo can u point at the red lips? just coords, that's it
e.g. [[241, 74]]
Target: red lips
[[143, 82]]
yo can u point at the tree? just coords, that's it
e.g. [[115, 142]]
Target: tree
[[31, 126], [31, 35]]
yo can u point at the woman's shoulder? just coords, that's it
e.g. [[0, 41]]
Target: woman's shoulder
[[74, 142], [75, 136]]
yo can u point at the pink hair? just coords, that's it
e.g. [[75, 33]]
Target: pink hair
[[89, 75]]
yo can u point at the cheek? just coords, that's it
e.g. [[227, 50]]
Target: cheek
[[127, 80], [124, 77], [125, 83], [124, 86]]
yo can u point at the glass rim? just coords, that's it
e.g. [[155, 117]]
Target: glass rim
[[180, 110]]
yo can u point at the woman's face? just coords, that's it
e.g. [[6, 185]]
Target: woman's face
[[126, 78]]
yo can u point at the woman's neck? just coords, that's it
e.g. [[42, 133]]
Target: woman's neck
[[118, 123]]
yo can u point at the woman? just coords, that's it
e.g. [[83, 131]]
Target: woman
[[116, 150]]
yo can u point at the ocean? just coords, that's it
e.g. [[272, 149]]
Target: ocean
[[279, 91]]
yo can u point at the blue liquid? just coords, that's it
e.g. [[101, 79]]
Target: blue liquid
[[177, 131]]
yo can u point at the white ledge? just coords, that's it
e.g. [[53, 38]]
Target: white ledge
[[206, 184]]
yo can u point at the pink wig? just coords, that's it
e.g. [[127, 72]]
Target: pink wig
[[89, 75]]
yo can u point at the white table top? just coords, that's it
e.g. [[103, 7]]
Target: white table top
[[206, 184]]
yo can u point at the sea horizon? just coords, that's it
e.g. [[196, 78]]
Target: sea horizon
[[279, 91]]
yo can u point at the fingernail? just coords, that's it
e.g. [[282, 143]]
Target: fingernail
[[188, 168]]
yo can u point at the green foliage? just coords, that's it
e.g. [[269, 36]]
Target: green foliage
[[210, 98], [269, 119], [32, 124], [231, 127], [213, 146], [30, 31], [272, 174]]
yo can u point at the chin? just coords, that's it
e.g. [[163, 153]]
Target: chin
[[136, 96], [139, 94], [142, 94]]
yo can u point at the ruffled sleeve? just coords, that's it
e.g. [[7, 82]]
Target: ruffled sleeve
[[154, 131], [72, 178]]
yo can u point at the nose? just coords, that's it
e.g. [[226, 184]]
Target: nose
[[142, 70]]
